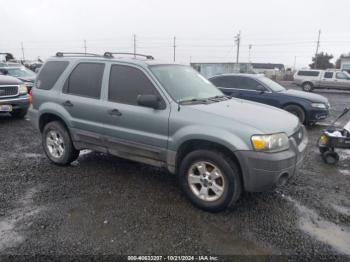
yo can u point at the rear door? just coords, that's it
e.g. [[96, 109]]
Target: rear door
[[131, 130], [81, 97]]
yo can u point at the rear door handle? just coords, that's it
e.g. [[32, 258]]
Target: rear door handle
[[68, 104], [114, 112]]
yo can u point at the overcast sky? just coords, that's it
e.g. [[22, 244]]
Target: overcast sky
[[279, 31]]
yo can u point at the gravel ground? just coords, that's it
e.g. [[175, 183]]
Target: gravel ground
[[103, 205]]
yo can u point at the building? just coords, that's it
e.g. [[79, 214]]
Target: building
[[345, 63]]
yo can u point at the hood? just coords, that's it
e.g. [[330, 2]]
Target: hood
[[9, 80], [305, 95], [27, 79], [262, 118]]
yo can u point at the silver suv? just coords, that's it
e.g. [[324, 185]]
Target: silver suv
[[310, 79], [165, 115]]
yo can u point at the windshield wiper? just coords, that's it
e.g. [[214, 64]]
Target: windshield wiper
[[219, 98], [193, 101]]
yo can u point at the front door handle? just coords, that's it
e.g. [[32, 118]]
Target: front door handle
[[114, 112], [67, 104]]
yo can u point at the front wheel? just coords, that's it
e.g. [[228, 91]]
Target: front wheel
[[210, 180], [330, 157], [57, 144], [297, 111]]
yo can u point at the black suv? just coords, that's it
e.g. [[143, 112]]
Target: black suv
[[14, 98]]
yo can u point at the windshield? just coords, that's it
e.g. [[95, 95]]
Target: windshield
[[274, 86], [20, 72], [184, 83]]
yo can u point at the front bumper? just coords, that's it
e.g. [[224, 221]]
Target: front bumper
[[17, 103], [265, 171], [315, 114]]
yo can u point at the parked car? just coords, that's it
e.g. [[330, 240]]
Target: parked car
[[22, 73], [166, 115], [309, 108], [13, 96], [322, 79]]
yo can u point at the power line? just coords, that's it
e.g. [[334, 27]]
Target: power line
[[23, 58], [85, 48], [134, 46], [174, 48], [238, 42], [317, 46]]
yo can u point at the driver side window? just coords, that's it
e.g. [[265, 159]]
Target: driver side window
[[247, 83], [341, 75]]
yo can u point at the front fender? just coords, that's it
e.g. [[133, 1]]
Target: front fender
[[210, 134]]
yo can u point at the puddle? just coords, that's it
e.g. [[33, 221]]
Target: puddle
[[345, 172], [33, 155], [13, 223], [341, 209], [85, 152], [327, 232]]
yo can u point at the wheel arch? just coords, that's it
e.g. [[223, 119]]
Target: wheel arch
[[201, 144]]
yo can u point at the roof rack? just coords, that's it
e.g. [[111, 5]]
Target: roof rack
[[62, 54], [110, 55]]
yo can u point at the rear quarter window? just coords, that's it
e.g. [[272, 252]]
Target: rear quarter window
[[308, 73], [50, 73]]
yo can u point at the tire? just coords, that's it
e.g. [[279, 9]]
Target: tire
[[297, 111], [323, 149], [57, 144], [330, 157], [19, 113], [227, 184], [307, 86]]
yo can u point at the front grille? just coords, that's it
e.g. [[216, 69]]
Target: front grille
[[8, 91], [299, 135]]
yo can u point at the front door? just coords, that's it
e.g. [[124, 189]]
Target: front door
[[134, 131]]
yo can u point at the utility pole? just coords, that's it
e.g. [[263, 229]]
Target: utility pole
[[134, 45], [295, 62], [174, 48], [23, 58], [250, 48], [85, 48], [317, 46], [238, 42]]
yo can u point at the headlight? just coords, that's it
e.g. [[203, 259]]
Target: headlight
[[23, 89], [270, 143], [319, 105]]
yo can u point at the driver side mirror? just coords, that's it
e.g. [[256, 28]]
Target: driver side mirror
[[4, 71], [261, 89], [151, 101]]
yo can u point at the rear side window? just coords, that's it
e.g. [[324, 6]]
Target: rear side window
[[308, 73], [328, 75], [126, 83], [85, 80], [49, 74]]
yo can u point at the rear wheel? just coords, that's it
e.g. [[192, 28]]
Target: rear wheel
[[57, 144], [307, 86], [210, 180], [20, 113], [297, 111]]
